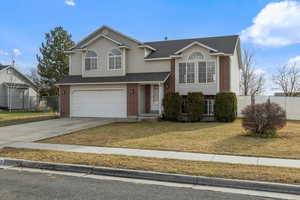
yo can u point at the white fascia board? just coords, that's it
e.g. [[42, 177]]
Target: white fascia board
[[163, 58], [75, 51], [166, 78], [98, 36], [220, 54], [195, 43], [147, 46], [176, 56], [151, 59], [124, 46], [103, 27], [122, 34]]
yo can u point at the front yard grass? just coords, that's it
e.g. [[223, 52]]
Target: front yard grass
[[14, 117], [216, 138], [234, 171]]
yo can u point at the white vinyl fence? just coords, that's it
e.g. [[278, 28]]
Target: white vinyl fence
[[290, 104]]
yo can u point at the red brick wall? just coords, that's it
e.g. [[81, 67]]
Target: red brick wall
[[147, 98], [64, 95], [170, 83], [132, 99], [224, 74]]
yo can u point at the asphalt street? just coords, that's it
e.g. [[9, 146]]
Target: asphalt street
[[19, 185]]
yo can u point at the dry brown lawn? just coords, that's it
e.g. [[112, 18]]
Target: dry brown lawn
[[219, 138], [235, 171], [13, 118]]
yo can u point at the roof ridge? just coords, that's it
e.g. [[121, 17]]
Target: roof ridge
[[223, 36]]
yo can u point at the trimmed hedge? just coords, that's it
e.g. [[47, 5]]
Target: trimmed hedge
[[195, 106], [226, 107], [172, 106]]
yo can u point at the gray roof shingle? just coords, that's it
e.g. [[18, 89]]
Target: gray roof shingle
[[224, 44], [130, 77]]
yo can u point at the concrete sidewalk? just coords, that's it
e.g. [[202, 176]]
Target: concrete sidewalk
[[294, 163]]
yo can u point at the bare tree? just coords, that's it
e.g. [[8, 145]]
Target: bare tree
[[34, 76], [252, 82], [287, 78]]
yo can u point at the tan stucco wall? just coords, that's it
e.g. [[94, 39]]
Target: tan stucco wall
[[134, 58], [75, 63], [206, 89]]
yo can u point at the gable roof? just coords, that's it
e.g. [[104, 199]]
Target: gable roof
[[223, 44], [98, 32], [2, 67], [167, 48]]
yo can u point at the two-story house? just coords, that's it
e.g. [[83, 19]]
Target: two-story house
[[113, 75]]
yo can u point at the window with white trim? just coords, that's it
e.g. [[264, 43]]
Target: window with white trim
[[209, 107], [182, 72], [207, 71], [186, 72], [190, 73], [114, 59], [196, 56], [90, 60]]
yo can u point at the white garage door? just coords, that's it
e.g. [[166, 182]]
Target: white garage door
[[98, 103]]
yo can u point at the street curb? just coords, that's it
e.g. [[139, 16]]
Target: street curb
[[157, 176]]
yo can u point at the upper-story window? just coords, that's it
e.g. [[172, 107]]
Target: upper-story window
[[206, 69], [114, 59], [196, 56], [90, 60]]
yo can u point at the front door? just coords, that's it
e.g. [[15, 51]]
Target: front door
[[154, 97]]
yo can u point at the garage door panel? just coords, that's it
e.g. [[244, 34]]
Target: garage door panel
[[98, 103]]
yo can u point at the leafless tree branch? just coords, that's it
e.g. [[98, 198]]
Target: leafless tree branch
[[287, 78], [252, 83]]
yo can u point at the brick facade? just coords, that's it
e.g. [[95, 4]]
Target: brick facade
[[224, 74], [169, 85], [64, 95], [132, 99]]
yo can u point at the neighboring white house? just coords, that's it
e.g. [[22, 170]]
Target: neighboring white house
[[114, 75], [16, 90]]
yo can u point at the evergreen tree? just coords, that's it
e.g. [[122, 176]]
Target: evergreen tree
[[53, 63]]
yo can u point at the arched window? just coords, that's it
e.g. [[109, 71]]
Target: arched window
[[196, 56], [90, 60], [115, 59]]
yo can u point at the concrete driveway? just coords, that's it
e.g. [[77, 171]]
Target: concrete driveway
[[30, 132]]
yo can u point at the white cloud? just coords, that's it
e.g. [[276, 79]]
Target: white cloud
[[277, 24], [70, 2], [295, 60], [259, 71], [17, 52]]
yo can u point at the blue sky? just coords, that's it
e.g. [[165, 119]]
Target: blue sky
[[271, 28]]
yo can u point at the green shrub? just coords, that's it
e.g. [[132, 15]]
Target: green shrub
[[225, 107], [195, 106], [172, 106]]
